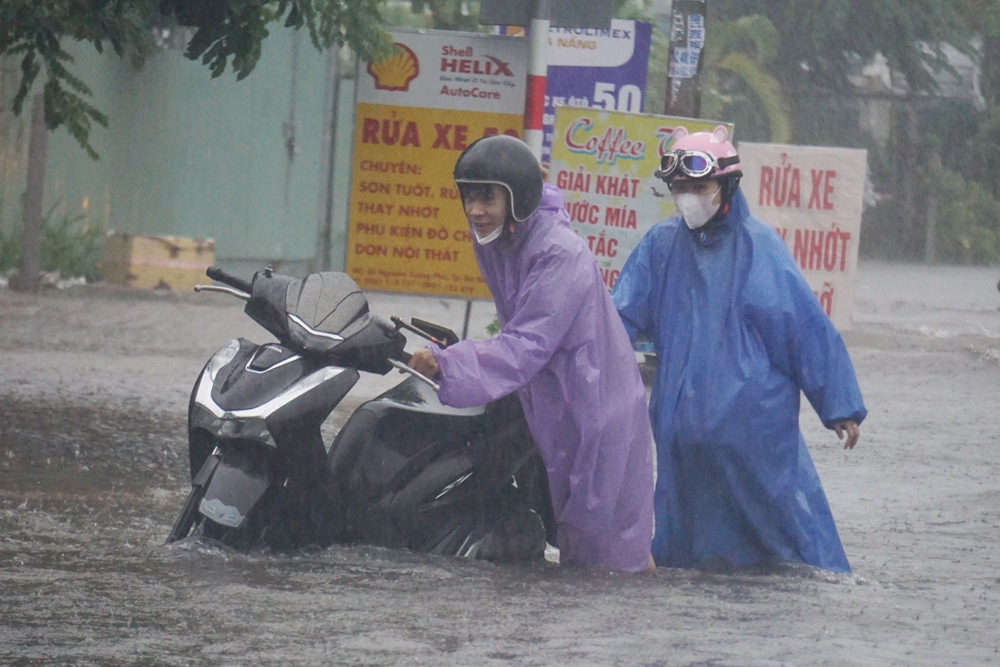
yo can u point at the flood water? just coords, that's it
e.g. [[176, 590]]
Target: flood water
[[88, 580], [89, 488]]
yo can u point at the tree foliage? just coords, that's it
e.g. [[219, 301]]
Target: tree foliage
[[821, 42], [232, 31], [823, 46], [35, 31], [224, 33], [464, 15], [737, 84], [967, 231], [447, 14]]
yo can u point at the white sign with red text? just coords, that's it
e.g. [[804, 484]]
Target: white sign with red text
[[813, 196]]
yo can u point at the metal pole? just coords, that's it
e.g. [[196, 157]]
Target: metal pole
[[687, 43], [468, 316], [321, 261], [538, 63], [931, 212]]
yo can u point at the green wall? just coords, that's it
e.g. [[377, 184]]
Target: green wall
[[188, 155]]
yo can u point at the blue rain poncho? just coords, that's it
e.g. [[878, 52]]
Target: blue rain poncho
[[563, 347], [738, 333]]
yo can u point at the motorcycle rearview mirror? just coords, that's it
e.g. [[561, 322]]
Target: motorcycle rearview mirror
[[435, 333], [436, 330]]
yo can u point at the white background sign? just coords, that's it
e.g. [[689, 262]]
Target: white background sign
[[813, 196], [441, 69]]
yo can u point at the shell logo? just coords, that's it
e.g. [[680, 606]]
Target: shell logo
[[396, 71]]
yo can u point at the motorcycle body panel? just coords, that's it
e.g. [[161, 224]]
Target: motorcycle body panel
[[417, 474], [232, 494], [251, 392], [403, 471]]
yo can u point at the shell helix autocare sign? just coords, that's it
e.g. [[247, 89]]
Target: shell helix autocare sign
[[417, 110]]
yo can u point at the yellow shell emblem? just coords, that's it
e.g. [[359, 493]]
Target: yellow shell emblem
[[396, 71]]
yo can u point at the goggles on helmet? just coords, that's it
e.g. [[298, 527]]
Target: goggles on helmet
[[693, 164]]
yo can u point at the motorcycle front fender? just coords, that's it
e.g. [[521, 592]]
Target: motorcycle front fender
[[232, 494]]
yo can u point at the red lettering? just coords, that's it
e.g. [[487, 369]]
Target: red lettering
[[441, 140], [822, 188], [369, 131], [766, 184], [458, 139], [389, 132]]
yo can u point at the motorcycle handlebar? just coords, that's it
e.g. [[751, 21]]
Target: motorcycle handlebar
[[403, 358], [420, 376], [217, 274]]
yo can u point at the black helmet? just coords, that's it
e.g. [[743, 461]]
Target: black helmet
[[506, 161]]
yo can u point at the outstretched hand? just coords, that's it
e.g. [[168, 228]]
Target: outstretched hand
[[850, 428], [423, 362]]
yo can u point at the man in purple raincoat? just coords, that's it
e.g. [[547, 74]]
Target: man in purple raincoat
[[564, 349]]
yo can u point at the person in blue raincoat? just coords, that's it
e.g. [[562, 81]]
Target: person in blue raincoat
[[738, 334], [564, 349]]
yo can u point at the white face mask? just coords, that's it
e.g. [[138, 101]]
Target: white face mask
[[696, 209], [489, 238]]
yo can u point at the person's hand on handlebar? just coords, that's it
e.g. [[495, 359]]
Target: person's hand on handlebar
[[424, 363]]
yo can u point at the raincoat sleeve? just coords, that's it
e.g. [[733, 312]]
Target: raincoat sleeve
[[474, 372], [631, 293], [803, 343]]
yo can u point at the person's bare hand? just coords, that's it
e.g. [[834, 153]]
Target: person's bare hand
[[850, 428], [423, 362]]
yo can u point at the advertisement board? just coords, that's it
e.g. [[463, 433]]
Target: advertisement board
[[595, 68], [604, 162], [814, 197], [416, 111]]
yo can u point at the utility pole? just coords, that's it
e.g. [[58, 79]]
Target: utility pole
[[538, 66], [540, 15], [31, 234], [687, 42]]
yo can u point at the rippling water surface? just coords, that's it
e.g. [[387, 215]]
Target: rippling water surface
[[87, 580], [90, 484]]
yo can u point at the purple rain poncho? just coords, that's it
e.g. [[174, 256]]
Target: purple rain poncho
[[738, 333], [563, 347]]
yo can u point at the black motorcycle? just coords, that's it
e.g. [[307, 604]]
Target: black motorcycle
[[403, 471]]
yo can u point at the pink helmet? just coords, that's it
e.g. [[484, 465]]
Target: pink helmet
[[699, 155]]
